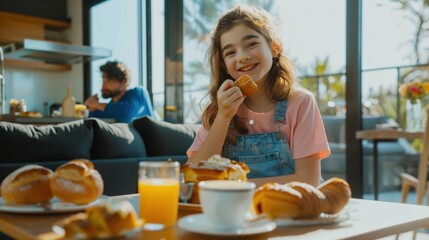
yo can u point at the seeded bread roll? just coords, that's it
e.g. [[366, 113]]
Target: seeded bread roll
[[29, 184], [77, 182], [246, 85]]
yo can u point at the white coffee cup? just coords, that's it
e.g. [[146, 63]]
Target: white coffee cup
[[225, 202]]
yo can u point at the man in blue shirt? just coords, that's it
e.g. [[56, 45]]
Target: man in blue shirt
[[126, 104]]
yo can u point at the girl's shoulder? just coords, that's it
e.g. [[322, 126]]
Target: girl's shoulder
[[299, 94]]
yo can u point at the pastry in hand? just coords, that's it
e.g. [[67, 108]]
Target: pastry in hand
[[246, 85], [77, 182], [214, 168], [106, 220], [29, 184]]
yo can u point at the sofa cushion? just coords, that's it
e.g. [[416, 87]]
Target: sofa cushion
[[119, 175], [164, 138], [334, 128], [370, 122], [115, 140], [30, 143]]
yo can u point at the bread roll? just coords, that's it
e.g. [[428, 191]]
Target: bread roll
[[337, 193], [246, 85], [29, 184], [214, 168], [77, 182], [109, 219]]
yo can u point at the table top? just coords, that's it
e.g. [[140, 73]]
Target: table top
[[387, 134], [368, 220]]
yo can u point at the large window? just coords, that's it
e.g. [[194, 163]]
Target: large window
[[158, 56], [393, 36], [313, 34], [311, 37], [114, 25]]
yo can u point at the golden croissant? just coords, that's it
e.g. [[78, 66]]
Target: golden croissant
[[301, 200]]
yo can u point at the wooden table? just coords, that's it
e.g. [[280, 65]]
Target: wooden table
[[383, 135], [368, 220]]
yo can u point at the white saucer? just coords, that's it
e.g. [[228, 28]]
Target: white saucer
[[198, 223], [323, 219], [55, 206]]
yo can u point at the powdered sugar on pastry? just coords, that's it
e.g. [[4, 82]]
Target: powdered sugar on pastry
[[216, 161]]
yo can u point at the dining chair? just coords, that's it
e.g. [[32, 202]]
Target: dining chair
[[419, 182]]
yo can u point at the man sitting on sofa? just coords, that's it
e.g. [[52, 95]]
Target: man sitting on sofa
[[126, 104]]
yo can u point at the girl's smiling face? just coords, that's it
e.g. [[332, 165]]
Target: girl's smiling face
[[245, 51]]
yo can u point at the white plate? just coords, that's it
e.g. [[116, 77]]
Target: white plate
[[323, 219], [56, 206], [58, 229], [198, 223]]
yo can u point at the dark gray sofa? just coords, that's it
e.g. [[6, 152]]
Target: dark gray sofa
[[115, 148], [390, 160]]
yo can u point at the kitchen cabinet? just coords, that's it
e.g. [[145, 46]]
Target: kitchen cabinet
[[14, 28]]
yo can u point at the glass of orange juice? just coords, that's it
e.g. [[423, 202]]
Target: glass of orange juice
[[159, 193]]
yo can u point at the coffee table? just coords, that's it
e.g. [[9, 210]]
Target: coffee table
[[369, 219]]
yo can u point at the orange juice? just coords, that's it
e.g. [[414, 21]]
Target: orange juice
[[159, 200]]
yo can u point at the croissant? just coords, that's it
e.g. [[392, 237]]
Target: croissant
[[301, 200], [337, 193]]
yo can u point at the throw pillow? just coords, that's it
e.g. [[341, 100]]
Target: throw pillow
[[30, 143], [164, 138], [115, 140]]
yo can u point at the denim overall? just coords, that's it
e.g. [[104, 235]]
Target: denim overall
[[266, 154]]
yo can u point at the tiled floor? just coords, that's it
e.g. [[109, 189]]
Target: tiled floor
[[422, 234]]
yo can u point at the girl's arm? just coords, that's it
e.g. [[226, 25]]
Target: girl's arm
[[229, 98], [307, 170]]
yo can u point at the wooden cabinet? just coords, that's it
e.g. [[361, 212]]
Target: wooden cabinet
[[14, 28]]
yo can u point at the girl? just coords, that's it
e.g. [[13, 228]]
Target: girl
[[278, 131]]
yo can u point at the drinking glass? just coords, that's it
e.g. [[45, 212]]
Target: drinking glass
[[158, 187]]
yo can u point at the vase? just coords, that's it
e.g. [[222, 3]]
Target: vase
[[414, 116]]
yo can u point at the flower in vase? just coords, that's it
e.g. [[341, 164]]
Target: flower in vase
[[414, 90]]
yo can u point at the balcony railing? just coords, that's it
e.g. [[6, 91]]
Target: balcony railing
[[329, 91]]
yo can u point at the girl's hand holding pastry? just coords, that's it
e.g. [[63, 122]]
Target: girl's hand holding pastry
[[229, 98]]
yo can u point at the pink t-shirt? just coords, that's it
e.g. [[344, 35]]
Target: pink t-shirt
[[304, 128]]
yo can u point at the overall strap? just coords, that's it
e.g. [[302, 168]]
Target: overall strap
[[280, 117], [280, 112]]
